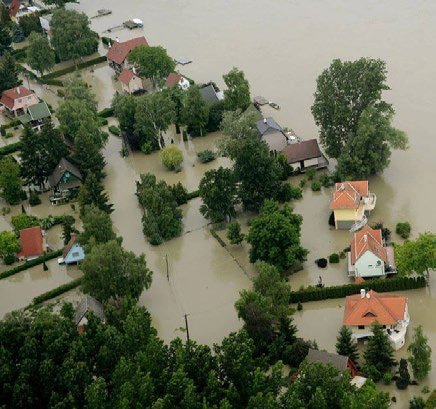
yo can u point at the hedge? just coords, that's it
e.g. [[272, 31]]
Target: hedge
[[431, 401], [58, 83], [57, 291], [193, 195], [11, 148], [31, 263], [106, 113], [73, 68], [114, 130], [341, 291]]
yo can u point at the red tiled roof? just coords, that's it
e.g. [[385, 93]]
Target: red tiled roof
[[347, 194], [126, 76], [384, 308], [10, 95], [119, 51], [31, 242], [173, 79], [367, 239], [14, 8], [69, 245]]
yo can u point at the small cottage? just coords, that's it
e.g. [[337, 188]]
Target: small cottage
[[176, 79], [32, 243], [35, 115], [118, 52], [210, 96], [130, 82], [340, 362], [305, 154], [17, 100], [66, 179], [73, 252], [88, 304], [272, 133]]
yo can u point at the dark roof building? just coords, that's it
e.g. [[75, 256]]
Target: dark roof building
[[268, 125], [340, 362], [305, 151], [88, 304], [209, 95], [66, 176]]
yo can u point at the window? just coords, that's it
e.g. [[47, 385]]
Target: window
[[361, 326], [20, 100], [76, 254]]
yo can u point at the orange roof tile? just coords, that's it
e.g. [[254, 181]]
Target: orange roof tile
[[119, 51], [126, 76], [367, 239], [387, 309], [10, 95], [173, 79], [347, 194], [31, 242]]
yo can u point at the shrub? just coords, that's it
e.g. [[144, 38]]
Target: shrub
[[303, 182], [2, 130], [416, 403], [326, 180], [107, 40], [180, 193], [147, 148], [193, 194], [299, 306], [425, 389], [9, 135], [403, 229], [106, 113], [316, 186], [334, 258], [60, 92], [171, 157], [9, 259], [11, 148], [206, 156], [114, 130], [102, 121], [73, 68], [387, 378], [310, 173], [342, 255], [185, 136], [34, 199], [431, 401]]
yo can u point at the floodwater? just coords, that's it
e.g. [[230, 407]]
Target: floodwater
[[282, 46]]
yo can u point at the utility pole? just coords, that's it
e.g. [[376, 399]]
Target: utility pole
[[186, 326], [168, 273]]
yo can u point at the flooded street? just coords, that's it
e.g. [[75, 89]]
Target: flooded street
[[282, 47]]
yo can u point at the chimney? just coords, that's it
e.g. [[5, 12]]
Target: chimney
[[362, 293], [264, 120], [18, 90], [117, 39], [368, 295]]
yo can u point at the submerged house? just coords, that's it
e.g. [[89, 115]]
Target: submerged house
[[119, 51], [130, 81], [32, 243], [35, 115], [65, 180], [88, 304], [73, 252], [340, 362], [210, 95], [305, 154], [351, 200], [177, 79], [17, 100], [272, 133], [389, 310], [368, 257]]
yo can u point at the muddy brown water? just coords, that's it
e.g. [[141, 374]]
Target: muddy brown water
[[282, 47]]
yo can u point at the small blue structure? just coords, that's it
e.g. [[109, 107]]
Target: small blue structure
[[73, 252]]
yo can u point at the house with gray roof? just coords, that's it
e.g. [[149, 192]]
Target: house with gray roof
[[35, 115], [66, 178], [305, 154], [210, 96], [272, 133], [340, 362], [88, 304]]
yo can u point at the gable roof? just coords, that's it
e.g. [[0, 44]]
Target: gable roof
[[367, 239], [347, 194], [387, 309], [10, 95], [209, 95], [36, 112], [126, 76], [31, 242], [69, 246], [119, 51], [173, 79], [88, 303], [14, 8], [302, 151], [338, 361], [63, 166], [267, 125]]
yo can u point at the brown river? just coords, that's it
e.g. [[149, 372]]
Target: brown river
[[282, 46]]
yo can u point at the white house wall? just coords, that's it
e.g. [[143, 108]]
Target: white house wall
[[366, 265]]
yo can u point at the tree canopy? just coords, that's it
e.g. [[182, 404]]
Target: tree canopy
[[9, 245], [237, 94], [275, 236], [40, 55], [5, 39], [195, 112], [97, 227], [153, 63], [92, 193], [420, 354], [8, 72], [345, 345], [10, 182], [71, 36]]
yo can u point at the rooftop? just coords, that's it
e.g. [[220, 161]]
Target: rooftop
[[63, 166], [10, 95], [173, 79], [267, 125], [338, 361], [31, 242], [126, 76], [119, 51], [305, 150], [88, 303], [367, 239], [347, 195]]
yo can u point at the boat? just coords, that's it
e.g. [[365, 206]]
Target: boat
[[273, 105]]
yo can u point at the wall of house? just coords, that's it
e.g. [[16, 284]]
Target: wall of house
[[344, 218], [23, 103], [136, 84], [369, 265], [75, 254]]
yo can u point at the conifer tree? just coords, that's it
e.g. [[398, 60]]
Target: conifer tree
[[92, 193], [345, 345], [8, 72]]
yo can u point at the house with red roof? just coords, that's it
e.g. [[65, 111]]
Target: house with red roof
[[118, 52], [17, 100], [18, 9], [368, 257], [176, 78], [130, 81], [389, 310], [32, 243], [351, 200]]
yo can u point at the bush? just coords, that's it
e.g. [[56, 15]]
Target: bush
[[60, 92], [147, 148], [8, 149], [180, 193], [9, 259], [431, 401], [106, 113], [310, 173], [334, 258], [114, 130], [342, 255], [107, 40], [34, 199], [387, 378], [206, 156], [102, 121], [2, 130], [299, 306], [303, 182], [316, 186], [326, 180], [57, 83], [171, 157], [403, 229], [9, 135], [425, 389], [417, 403], [193, 194]]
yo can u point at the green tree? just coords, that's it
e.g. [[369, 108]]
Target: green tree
[[403, 379], [70, 24], [111, 273], [345, 344], [369, 147], [344, 91], [234, 233], [195, 112], [257, 173], [124, 109], [68, 228], [5, 18], [23, 221], [8, 72], [417, 403], [30, 24], [88, 156], [218, 193], [17, 33], [419, 354], [40, 55], [379, 353], [153, 63], [11, 184], [154, 114], [92, 193], [9, 245], [417, 256], [97, 227], [237, 94], [58, 3], [5, 39], [275, 236], [171, 157]]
